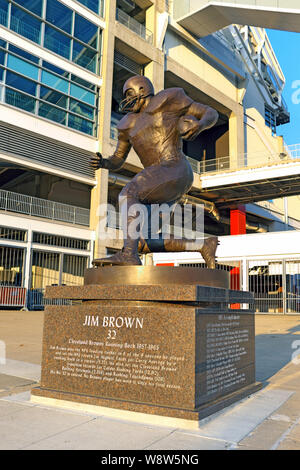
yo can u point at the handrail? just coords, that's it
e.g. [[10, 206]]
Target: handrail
[[290, 154], [29, 205], [134, 25]]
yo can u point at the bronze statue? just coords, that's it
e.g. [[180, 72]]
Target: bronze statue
[[154, 127]]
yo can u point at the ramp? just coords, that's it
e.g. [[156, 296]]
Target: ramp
[[202, 17]]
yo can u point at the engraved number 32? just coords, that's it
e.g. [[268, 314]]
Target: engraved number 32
[[111, 334]]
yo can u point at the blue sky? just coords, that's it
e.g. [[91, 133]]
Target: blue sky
[[287, 46]]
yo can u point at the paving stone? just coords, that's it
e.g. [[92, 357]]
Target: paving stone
[[178, 440], [32, 424], [265, 436], [295, 433], [7, 409], [291, 407], [103, 434], [289, 444], [9, 382]]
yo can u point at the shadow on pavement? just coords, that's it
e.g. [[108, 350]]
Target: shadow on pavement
[[274, 351]]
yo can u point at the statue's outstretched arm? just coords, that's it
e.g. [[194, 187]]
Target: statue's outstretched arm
[[117, 160]]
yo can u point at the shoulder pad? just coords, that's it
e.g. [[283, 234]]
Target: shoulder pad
[[169, 99], [126, 122]]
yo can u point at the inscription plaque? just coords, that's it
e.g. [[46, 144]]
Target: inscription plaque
[[164, 354]]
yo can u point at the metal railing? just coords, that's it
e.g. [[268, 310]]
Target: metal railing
[[12, 296], [134, 25], [29, 205], [247, 160]]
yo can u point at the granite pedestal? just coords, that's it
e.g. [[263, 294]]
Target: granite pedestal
[[169, 350]]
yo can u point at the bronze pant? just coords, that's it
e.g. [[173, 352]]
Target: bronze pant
[[157, 184]]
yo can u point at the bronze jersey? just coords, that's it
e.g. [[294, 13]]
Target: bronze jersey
[[154, 133]]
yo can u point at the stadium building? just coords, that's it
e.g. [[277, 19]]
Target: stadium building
[[62, 67]]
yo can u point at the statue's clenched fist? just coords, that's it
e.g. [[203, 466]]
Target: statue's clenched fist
[[97, 161]]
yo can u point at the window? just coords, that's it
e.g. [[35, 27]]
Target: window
[[55, 82], [55, 69], [82, 94], [53, 97], [21, 83], [3, 12], [94, 5], [19, 100], [57, 42], [22, 67], [56, 27], [39, 87], [59, 15], [80, 124], [22, 53], [270, 119], [35, 6], [54, 114], [83, 109], [2, 57], [84, 56], [85, 31], [83, 82], [25, 24]]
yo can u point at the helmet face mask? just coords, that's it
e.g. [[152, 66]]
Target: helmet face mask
[[131, 104], [136, 89]]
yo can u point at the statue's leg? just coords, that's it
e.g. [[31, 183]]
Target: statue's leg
[[206, 247], [156, 184]]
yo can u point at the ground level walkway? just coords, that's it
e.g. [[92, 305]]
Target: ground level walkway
[[269, 419]]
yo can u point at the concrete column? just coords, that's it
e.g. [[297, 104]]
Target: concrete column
[[156, 73], [155, 69], [98, 214], [236, 137], [107, 74], [99, 193]]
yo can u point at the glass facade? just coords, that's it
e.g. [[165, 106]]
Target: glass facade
[[96, 6], [56, 27], [34, 85], [270, 119]]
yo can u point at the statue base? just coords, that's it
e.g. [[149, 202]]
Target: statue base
[[175, 351]]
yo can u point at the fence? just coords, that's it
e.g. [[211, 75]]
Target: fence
[[275, 285], [232, 267], [36, 300], [134, 25], [12, 296], [29, 205], [46, 268], [32, 299], [246, 160]]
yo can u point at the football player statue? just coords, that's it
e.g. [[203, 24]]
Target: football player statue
[[155, 126]]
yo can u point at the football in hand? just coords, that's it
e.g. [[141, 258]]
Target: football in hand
[[188, 127]]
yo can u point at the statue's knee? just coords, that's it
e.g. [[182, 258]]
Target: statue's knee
[[129, 193]]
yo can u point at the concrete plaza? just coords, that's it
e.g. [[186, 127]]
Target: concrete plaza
[[269, 419]]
